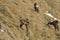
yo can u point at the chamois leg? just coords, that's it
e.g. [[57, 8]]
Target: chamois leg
[[57, 27], [21, 26], [36, 9], [26, 29], [48, 25]]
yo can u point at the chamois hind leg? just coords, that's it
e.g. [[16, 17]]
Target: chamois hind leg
[[57, 27], [48, 24], [27, 33], [21, 26]]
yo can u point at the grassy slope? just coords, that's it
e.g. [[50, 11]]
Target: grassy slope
[[37, 27]]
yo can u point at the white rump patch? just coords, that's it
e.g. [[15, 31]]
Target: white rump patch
[[2, 30], [50, 15], [37, 6]]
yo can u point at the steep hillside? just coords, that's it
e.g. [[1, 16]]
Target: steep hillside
[[12, 10]]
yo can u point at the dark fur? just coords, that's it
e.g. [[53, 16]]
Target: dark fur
[[54, 23], [36, 8], [24, 22]]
